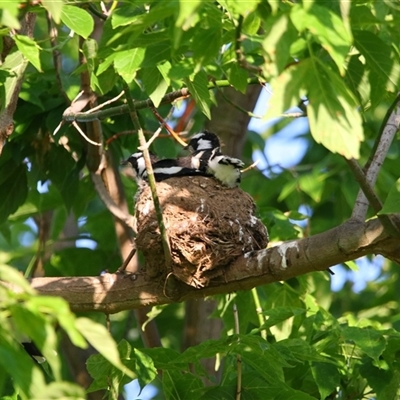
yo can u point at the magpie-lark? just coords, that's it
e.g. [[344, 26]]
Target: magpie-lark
[[162, 169], [207, 157]]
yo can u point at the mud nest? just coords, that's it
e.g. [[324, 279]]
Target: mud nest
[[208, 225]]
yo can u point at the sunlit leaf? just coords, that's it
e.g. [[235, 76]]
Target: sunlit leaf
[[369, 340], [55, 8], [78, 20], [327, 28], [29, 49], [15, 64], [198, 89], [127, 63], [277, 44]]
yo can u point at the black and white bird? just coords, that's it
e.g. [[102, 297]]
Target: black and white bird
[[206, 156], [33, 351], [205, 140], [162, 169]]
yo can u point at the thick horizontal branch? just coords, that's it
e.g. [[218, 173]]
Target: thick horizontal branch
[[140, 104], [112, 293]]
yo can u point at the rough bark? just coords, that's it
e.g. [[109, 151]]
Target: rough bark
[[112, 293]]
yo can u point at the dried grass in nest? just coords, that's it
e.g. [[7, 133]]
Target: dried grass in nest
[[208, 225]]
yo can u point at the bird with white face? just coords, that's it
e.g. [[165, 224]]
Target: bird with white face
[[206, 156]]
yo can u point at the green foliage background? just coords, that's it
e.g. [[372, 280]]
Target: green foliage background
[[313, 344]]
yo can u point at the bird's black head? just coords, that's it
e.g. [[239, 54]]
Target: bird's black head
[[135, 160], [203, 141]]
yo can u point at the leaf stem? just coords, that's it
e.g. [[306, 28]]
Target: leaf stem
[[260, 316], [150, 174], [238, 356]]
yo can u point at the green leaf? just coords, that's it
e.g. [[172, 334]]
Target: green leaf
[[61, 390], [155, 84], [392, 202], [9, 14], [277, 42], [300, 350], [384, 382], [334, 119], [30, 319], [143, 365], [27, 377], [238, 7], [238, 78], [78, 20], [99, 337], [280, 314], [63, 172], [55, 8], [187, 14], [102, 371], [9, 274], [371, 341], [313, 184], [127, 63], [15, 64], [378, 61], [180, 386], [14, 188], [352, 265], [327, 28], [198, 89], [327, 378], [206, 44], [29, 49]]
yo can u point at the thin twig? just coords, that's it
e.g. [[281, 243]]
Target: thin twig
[[167, 127], [375, 163], [100, 106], [128, 259], [150, 174], [76, 126], [152, 139], [371, 196], [238, 356], [158, 131], [250, 166]]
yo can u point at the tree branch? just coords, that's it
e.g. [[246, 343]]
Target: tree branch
[[7, 115], [112, 293], [140, 104], [375, 163], [372, 197]]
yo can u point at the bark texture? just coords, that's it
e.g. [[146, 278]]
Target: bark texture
[[112, 293]]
